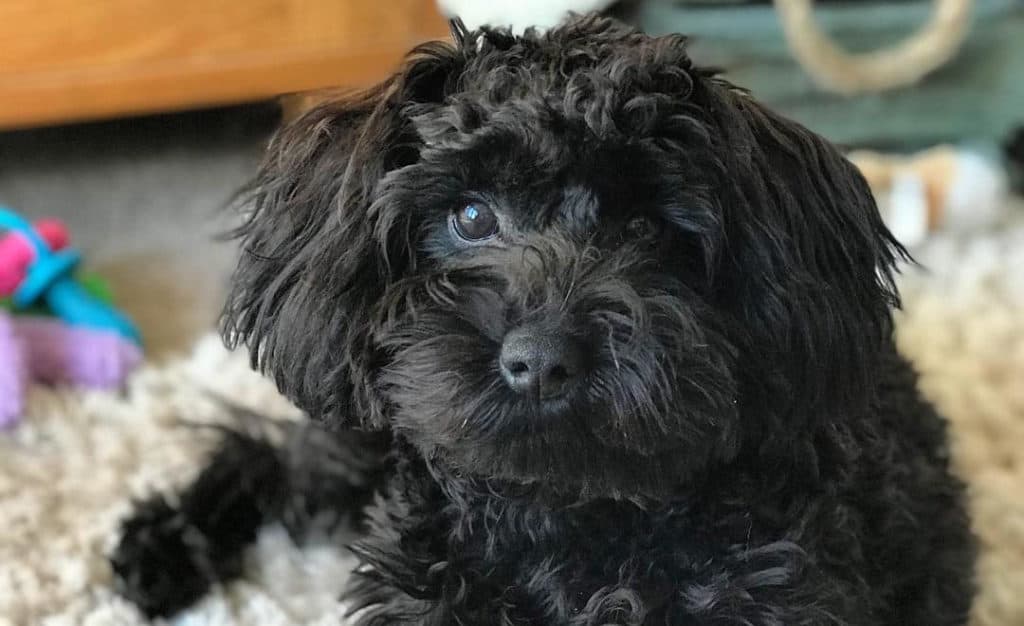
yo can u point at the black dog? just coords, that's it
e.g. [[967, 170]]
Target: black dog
[[597, 340]]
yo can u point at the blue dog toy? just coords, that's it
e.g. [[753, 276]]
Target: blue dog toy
[[50, 280]]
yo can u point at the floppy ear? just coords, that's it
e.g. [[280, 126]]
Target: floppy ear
[[314, 257], [812, 264]]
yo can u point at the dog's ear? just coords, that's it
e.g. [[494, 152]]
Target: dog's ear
[[811, 263], [314, 256]]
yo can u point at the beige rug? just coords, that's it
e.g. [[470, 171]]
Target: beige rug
[[68, 472]]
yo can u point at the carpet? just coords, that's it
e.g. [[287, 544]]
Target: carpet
[[69, 471]]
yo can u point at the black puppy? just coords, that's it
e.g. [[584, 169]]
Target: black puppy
[[596, 338]]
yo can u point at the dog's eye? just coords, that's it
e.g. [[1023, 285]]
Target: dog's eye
[[641, 227], [475, 222]]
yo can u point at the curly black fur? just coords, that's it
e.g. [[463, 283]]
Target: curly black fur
[[746, 446], [1014, 149]]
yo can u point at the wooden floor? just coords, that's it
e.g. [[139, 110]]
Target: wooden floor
[[69, 60]]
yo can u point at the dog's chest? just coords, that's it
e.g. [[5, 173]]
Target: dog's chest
[[573, 557]]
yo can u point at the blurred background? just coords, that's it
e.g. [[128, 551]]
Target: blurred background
[[132, 122]]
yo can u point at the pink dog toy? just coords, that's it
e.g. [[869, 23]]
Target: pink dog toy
[[16, 253], [49, 351]]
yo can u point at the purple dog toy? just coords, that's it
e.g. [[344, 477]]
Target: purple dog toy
[[49, 351], [13, 373]]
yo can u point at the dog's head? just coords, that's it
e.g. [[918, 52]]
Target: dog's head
[[569, 257]]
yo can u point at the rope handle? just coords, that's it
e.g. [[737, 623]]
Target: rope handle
[[902, 64]]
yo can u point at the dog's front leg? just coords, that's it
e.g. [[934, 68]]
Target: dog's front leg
[[169, 555]]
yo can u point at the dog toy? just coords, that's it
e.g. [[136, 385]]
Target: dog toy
[[13, 373], [48, 277], [95, 285], [16, 252], [46, 350], [943, 188]]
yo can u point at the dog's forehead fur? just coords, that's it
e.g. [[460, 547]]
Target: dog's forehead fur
[[562, 98], [575, 120]]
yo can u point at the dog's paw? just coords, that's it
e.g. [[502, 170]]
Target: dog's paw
[[163, 563]]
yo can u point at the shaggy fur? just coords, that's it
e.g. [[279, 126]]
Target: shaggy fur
[[745, 445]]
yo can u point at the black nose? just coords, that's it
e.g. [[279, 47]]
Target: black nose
[[538, 362]]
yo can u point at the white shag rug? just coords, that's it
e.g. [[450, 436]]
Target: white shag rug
[[68, 472]]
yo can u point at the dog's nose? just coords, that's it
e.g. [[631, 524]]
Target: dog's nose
[[538, 362]]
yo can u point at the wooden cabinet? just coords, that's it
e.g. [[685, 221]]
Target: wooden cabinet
[[70, 60]]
